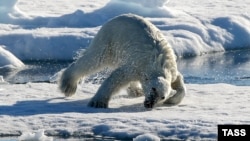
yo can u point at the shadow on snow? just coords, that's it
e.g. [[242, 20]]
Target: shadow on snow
[[35, 107]]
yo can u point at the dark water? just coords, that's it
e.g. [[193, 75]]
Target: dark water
[[36, 71], [230, 67]]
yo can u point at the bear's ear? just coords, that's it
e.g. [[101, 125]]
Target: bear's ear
[[161, 61]]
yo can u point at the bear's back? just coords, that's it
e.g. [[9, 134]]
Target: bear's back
[[129, 28], [129, 38]]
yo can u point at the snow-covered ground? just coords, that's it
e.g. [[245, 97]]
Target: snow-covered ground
[[35, 106], [58, 29]]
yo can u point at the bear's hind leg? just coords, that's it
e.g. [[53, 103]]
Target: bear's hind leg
[[84, 66], [67, 83], [118, 79], [135, 89]]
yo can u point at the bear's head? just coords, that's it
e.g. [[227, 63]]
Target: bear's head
[[156, 91]]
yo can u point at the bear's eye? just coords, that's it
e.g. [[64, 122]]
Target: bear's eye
[[154, 89], [154, 93], [146, 77]]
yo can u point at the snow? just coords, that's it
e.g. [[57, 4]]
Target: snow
[[8, 61], [38, 136], [36, 30], [7, 58], [59, 30], [146, 137], [27, 108]]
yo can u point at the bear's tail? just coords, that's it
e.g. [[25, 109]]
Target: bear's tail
[[67, 83]]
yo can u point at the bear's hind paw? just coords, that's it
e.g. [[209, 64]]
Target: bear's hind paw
[[98, 104]]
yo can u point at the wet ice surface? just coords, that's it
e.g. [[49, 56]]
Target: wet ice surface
[[53, 113], [56, 30]]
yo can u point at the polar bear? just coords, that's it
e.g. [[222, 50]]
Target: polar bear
[[139, 55]]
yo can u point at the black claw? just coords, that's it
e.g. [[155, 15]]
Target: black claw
[[97, 104], [148, 104]]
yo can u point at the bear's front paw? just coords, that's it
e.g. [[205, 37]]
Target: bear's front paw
[[98, 104]]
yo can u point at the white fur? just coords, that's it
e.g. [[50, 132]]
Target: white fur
[[138, 53]]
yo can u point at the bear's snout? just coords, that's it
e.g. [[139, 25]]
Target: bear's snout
[[152, 99]]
